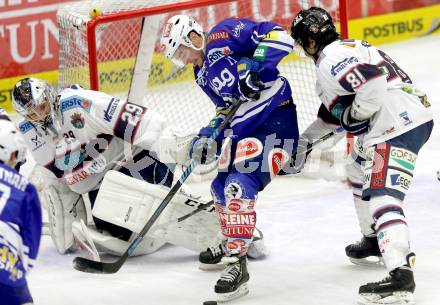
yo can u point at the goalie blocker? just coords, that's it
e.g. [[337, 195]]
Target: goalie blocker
[[132, 208]]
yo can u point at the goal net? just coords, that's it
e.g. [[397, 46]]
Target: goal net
[[117, 52]]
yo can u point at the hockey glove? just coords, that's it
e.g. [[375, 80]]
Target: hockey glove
[[352, 125], [200, 150], [249, 83], [298, 160]]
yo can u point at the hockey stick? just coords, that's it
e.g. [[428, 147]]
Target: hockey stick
[[90, 266], [310, 147], [322, 139], [182, 218]]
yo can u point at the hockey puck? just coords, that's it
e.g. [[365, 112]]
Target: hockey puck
[[210, 303]]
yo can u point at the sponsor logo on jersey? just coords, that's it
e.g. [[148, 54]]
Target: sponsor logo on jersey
[[167, 30], [216, 54], [236, 31], [77, 120], [245, 219], [405, 117], [260, 53], [234, 190], [8, 263], [216, 36], [365, 43], [38, 143], [75, 102], [76, 177], [247, 149], [25, 126], [278, 158], [342, 65], [71, 160], [395, 28], [380, 166], [403, 157], [237, 246], [235, 205], [110, 111], [398, 179]]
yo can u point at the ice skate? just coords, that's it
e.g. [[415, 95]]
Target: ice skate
[[397, 288], [233, 281], [365, 252]]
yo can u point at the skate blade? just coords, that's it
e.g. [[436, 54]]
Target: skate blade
[[370, 261], [240, 292], [396, 298], [212, 267]]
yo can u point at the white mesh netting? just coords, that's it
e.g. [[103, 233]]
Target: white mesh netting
[[170, 90]]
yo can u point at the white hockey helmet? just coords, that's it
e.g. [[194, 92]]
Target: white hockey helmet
[[11, 141], [30, 95], [176, 32]]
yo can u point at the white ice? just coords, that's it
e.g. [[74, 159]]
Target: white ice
[[307, 224]]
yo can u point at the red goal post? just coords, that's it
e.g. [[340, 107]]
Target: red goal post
[[109, 53]]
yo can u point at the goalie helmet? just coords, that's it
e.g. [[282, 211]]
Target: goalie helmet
[[11, 141], [314, 23], [176, 32], [35, 100]]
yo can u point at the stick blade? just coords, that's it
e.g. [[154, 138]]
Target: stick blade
[[86, 265]]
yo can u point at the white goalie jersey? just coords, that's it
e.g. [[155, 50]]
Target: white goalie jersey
[[96, 132], [352, 72]]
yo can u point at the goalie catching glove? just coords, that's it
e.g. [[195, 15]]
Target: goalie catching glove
[[249, 83]]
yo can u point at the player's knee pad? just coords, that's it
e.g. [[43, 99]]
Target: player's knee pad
[[391, 229], [64, 207], [388, 170]]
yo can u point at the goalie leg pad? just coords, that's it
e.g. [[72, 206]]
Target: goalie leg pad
[[103, 242], [139, 200], [63, 209]]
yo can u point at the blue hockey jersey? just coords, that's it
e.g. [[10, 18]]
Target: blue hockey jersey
[[228, 42], [20, 226]]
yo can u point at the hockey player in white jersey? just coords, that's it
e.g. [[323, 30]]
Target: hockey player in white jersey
[[20, 219], [107, 148], [363, 90]]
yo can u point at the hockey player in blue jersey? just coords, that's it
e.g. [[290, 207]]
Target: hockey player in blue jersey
[[236, 60], [20, 219]]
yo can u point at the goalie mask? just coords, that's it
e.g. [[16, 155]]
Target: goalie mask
[[316, 24], [176, 33], [11, 141], [35, 99]]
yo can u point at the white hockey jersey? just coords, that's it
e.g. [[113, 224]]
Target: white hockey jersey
[[96, 132], [352, 72]]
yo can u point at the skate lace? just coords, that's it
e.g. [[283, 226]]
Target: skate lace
[[217, 250], [386, 279], [231, 273]]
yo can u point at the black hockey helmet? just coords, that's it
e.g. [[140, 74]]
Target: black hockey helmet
[[315, 23]]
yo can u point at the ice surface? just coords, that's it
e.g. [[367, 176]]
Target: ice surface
[[307, 224]]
